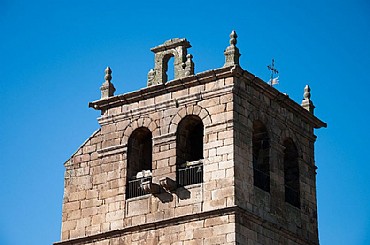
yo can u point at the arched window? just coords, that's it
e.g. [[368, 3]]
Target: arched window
[[189, 150], [261, 156], [168, 61], [139, 161], [291, 173]]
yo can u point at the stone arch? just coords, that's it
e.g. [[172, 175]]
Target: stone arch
[[189, 150], [196, 110], [183, 65], [259, 116], [288, 133], [145, 122], [165, 63]]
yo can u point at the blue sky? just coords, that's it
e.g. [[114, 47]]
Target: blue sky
[[52, 60]]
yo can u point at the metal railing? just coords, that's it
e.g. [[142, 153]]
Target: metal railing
[[190, 175], [134, 189]]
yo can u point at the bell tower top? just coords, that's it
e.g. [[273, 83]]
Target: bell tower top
[[183, 64]]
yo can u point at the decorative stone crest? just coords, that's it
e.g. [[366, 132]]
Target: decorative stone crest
[[183, 64], [232, 52], [107, 89], [306, 102]]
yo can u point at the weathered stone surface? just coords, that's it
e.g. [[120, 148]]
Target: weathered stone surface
[[225, 206]]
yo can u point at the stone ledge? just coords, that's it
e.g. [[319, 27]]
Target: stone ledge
[[111, 150], [239, 213], [160, 89], [166, 105], [150, 226]]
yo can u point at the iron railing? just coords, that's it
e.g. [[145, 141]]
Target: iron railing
[[134, 189], [190, 175]]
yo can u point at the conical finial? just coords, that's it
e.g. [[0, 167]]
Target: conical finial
[[107, 89], [232, 52], [233, 37], [306, 102]]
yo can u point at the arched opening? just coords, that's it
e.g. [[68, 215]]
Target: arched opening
[[189, 150], [168, 74], [291, 173], [261, 156], [139, 161]]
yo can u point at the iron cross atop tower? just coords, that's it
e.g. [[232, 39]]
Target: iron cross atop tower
[[273, 70]]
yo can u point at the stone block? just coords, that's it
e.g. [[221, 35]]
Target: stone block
[[82, 223], [223, 229], [220, 239], [214, 204], [180, 93], [216, 221], [222, 193], [71, 206], [87, 212], [137, 206], [69, 225], [201, 233], [215, 175], [77, 233], [183, 210]]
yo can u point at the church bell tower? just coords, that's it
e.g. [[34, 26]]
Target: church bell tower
[[218, 157]]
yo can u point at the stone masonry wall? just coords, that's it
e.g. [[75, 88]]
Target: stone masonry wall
[[228, 101], [95, 178], [253, 102], [213, 230]]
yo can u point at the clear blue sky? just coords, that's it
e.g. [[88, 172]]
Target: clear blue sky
[[52, 60]]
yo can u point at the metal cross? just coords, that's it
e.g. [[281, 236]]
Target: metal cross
[[273, 70]]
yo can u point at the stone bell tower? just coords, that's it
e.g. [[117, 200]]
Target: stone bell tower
[[218, 157]]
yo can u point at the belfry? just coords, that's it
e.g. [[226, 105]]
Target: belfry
[[217, 157]]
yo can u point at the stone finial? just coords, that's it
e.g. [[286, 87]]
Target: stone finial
[[108, 74], [189, 65], [107, 89], [306, 102], [151, 76], [233, 37], [232, 52], [307, 93]]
